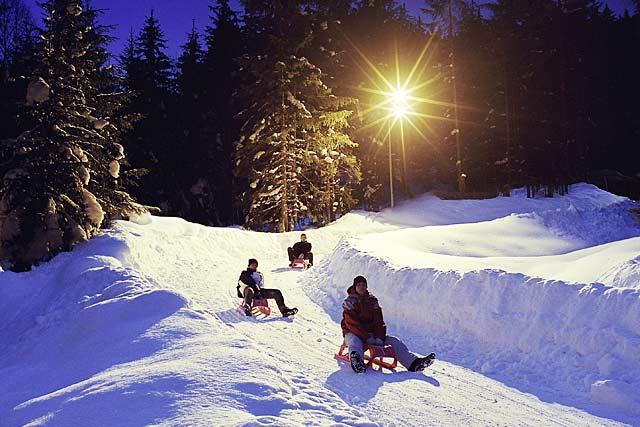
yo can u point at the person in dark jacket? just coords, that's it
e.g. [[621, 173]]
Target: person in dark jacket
[[362, 322], [301, 249], [250, 285]]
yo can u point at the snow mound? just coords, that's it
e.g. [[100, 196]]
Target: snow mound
[[546, 334], [83, 314], [625, 275], [428, 209], [586, 236]]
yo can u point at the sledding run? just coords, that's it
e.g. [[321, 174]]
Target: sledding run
[[254, 295], [363, 327]]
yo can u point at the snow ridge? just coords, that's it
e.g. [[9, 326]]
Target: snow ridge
[[504, 324], [91, 313]]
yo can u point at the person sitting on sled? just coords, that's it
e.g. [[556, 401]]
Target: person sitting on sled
[[250, 286], [301, 249], [362, 323]]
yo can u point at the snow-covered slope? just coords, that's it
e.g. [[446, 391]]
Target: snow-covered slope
[[139, 326]]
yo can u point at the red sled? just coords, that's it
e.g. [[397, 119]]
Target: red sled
[[259, 306], [383, 356], [300, 263]]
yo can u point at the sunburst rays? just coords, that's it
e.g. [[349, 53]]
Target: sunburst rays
[[402, 99]]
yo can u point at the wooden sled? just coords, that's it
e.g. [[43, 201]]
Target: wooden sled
[[300, 263], [381, 355], [259, 307]]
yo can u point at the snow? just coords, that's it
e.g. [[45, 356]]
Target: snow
[[92, 208], [100, 124], [114, 168], [37, 91], [532, 306]]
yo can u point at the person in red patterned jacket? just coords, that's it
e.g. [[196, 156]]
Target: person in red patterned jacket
[[362, 322]]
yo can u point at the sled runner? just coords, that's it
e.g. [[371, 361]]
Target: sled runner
[[383, 356], [300, 263], [258, 307]]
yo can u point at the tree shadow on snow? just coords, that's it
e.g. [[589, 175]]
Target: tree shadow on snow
[[360, 388]]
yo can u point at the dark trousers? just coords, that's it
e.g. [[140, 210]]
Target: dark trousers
[[292, 256], [266, 294]]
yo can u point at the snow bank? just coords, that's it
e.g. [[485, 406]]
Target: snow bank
[[68, 321], [587, 236], [625, 274], [140, 326], [531, 291], [542, 334], [587, 214]]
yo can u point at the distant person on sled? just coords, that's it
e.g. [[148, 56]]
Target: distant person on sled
[[362, 323], [250, 287], [301, 249]]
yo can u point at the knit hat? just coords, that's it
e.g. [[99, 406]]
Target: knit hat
[[253, 261], [359, 279]]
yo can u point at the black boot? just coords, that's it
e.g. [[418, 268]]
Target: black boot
[[422, 362], [357, 364], [289, 312], [247, 310]]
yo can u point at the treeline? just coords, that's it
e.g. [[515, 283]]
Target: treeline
[[555, 84], [277, 116]]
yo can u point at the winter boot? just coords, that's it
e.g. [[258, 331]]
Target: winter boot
[[357, 364], [247, 310], [289, 312], [422, 362]]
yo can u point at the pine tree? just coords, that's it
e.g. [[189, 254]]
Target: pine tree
[[195, 190], [334, 170], [151, 144], [155, 64], [293, 151], [224, 41], [129, 62], [268, 156], [294, 154], [62, 185], [189, 67], [446, 16]]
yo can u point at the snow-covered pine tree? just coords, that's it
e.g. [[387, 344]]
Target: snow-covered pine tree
[[61, 186], [333, 171], [271, 154], [293, 150]]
